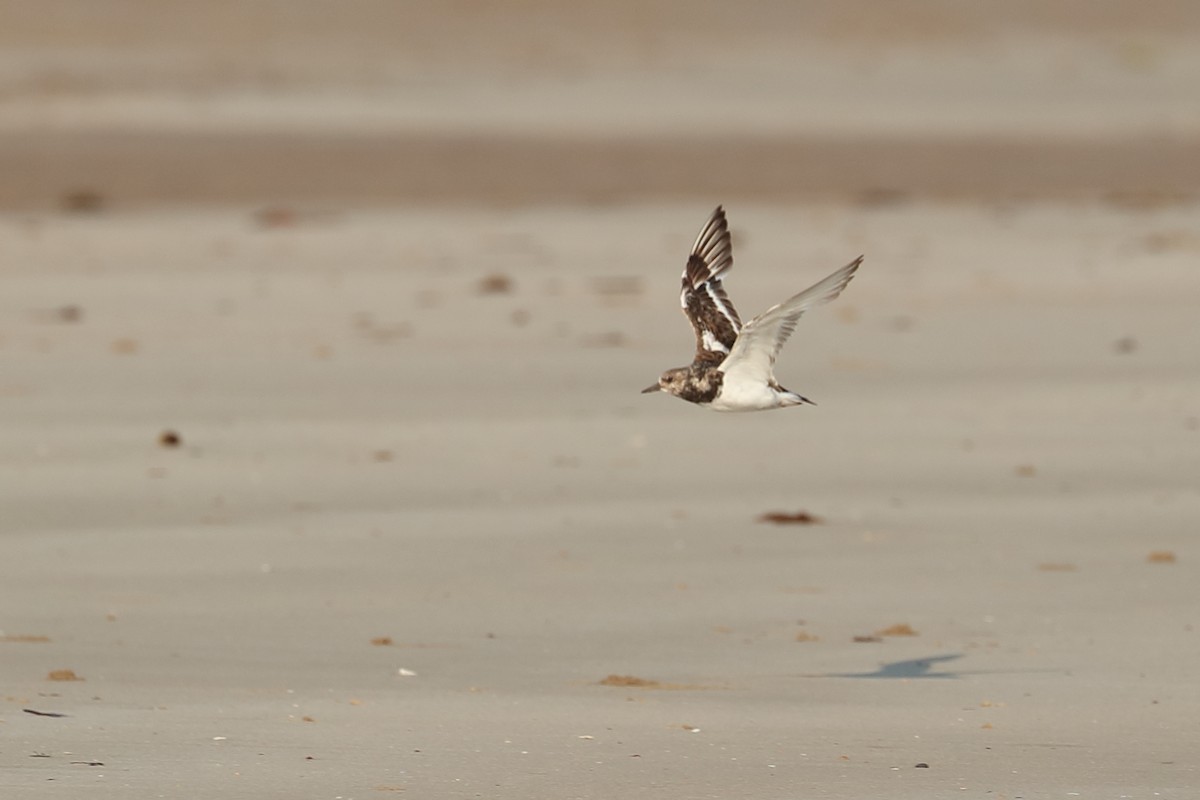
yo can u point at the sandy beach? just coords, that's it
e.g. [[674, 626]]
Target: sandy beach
[[325, 472]]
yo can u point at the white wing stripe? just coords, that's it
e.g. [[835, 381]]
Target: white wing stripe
[[724, 309], [712, 343]]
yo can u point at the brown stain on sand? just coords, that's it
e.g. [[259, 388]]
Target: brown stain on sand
[[899, 629], [634, 682]]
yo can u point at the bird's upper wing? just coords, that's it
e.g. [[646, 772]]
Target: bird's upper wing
[[704, 302], [753, 355]]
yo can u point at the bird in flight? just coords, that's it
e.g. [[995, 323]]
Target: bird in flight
[[733, 369]]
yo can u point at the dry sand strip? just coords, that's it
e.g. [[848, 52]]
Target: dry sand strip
[[138, 168]]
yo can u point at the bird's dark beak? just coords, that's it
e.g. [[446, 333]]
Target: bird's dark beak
[[654, 388]]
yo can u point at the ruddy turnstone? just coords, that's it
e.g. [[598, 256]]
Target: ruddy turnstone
[[733, 369]]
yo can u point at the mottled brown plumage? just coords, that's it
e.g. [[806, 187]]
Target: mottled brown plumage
[[702, 297]]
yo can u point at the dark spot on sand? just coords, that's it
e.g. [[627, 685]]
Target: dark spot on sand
[[37, 713], [1125, 345], [628, 681], [496, 283], [790, 518], [83, 201], [276, 217]]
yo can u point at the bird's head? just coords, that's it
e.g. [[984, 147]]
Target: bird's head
[[671, 382]]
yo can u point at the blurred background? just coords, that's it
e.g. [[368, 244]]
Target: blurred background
[[136, 103]]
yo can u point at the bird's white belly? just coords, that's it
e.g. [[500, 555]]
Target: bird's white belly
[[743, 395]]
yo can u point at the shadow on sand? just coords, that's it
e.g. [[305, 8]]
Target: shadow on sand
[[913, 668]]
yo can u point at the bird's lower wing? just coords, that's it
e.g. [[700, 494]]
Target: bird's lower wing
[[758, 343]]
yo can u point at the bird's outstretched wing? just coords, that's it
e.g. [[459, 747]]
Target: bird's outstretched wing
[[703, 300], [752, 357]]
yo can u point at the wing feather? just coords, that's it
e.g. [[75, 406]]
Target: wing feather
[[752, 357], [702, 297]]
